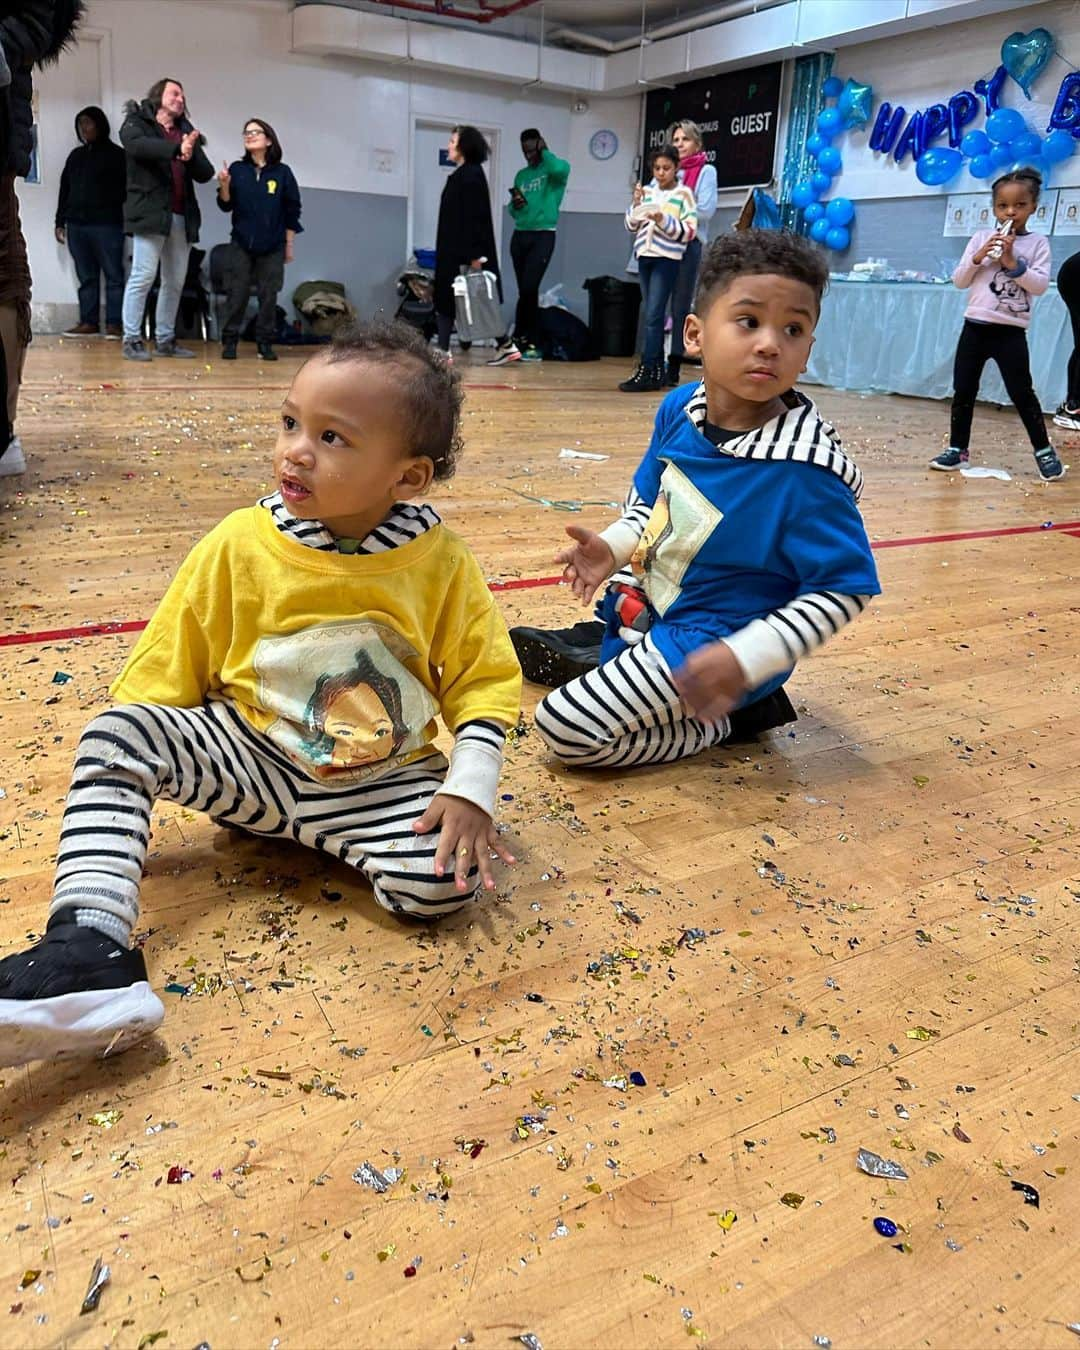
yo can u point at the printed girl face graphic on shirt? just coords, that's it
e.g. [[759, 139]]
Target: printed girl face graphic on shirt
[[345, 699], [1011, 298]]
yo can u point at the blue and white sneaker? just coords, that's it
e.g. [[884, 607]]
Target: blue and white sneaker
[[1050, 467], [950, 459]]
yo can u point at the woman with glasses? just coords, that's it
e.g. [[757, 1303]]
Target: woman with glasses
[[263, 196]]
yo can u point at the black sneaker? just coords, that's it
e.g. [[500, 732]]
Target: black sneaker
[[173, 349], [949, 460], [774, 710], [266, 352], [555, 656], [1067, 417], [1050, 467], [228, 349], [74, 993]]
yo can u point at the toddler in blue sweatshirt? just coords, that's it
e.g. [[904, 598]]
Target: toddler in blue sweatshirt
[[741, 548]]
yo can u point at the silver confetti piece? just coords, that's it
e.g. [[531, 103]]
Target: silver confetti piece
[[530, 1340], [99, 1278], [368, 1175], [879, 1167], [823, 1342]]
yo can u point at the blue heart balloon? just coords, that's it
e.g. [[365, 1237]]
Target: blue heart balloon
[[1026, 55]]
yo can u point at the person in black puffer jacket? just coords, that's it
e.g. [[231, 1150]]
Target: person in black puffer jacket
[[165, 159], [90, 220], [32, 33]]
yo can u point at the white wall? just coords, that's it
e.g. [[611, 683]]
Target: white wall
[[920, 69], [346, 126]]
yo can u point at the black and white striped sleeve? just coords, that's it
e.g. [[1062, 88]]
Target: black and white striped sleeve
[[476, 763], [623, 535], [769, 646]]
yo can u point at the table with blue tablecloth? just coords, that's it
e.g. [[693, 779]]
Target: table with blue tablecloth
[[892, 337]]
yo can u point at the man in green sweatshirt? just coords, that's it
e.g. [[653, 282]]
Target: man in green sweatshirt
[[534, 203]]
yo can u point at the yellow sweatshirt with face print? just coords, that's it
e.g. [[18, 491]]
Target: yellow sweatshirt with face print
[[342, 660]]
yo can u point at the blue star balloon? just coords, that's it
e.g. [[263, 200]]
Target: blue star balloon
[[854, 105]]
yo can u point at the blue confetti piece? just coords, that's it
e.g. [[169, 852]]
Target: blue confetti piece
[[885, 1227], [638, 1079]]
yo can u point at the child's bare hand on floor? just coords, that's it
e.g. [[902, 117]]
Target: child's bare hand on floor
[[467, 834], [588, 564], [710, 681]]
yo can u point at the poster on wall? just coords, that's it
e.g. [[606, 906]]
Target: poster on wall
[[1042, 221], [960, 211], [1067, 216], [738, 113]]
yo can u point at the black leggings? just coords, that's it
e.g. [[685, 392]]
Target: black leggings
[[1007, 346], [1069, 289]]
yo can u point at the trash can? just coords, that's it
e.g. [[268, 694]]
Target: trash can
[[613, 315]]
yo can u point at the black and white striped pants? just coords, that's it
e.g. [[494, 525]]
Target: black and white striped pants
[[625, 713], [211, 760]]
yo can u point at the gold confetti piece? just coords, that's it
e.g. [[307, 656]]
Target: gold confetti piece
[[384, 1253], [28, 1279], [920, 780], [727, 1220], [792, 1199], [106, 1119], [921, 1034]]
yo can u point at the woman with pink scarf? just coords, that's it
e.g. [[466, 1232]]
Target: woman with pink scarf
[[696, 173]]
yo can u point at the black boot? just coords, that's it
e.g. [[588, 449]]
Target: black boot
[[228, 349], [643, 381], [674, 366], [266, 352], [555, 656], [774, 710]]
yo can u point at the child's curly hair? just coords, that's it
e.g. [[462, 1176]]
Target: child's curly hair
[[1029, 177], [429, 390], [755, 253]]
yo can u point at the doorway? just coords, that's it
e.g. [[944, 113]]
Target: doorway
[[431, 169]]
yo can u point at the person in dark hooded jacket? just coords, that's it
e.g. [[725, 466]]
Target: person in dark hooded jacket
[[32, 33], [165, 159], [90, 220]]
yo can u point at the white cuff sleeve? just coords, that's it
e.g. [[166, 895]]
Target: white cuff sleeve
[[622, 537], [474, 773], [760, 651]]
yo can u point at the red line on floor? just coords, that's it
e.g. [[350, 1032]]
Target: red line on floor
[[532, 583]]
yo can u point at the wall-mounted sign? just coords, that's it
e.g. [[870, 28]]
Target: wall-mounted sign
[[738, 113]]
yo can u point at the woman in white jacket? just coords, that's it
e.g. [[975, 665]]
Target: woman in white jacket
[[696, 173], [663, 220]]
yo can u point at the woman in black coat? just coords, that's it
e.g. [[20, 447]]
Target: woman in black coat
[[466, 236]]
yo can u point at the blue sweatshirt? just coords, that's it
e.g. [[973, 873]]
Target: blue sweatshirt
[[264, 204]]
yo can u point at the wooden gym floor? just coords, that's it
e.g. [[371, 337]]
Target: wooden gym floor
[[614, 1131]]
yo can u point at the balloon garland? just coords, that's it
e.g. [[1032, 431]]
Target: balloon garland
[[1006, 142]]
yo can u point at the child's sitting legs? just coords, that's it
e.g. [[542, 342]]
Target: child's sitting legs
[[624, 713]]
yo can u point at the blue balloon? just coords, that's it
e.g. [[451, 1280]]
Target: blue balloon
[[1005, 124], [833, 87], [1001, 155], [815, 143], [982, 166], [829, 161], [1058, 145], [815, 211], [840, 211], [975, 143], [829, 121], [837, 238], [854, 105], [938, 165], [1066, 112], [821, 182], [1027, 146], [819, 230], [1026, 55], [802, 194]]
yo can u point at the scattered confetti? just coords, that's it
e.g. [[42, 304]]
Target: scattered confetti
[[879, 1167], [99, 1278], [367, 1175]]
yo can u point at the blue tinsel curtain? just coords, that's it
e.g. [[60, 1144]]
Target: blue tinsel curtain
[[806, 102]]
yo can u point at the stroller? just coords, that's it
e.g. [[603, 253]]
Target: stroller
[[416, 287]]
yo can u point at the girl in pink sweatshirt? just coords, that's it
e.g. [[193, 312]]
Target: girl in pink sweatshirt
[[1004, 268]]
